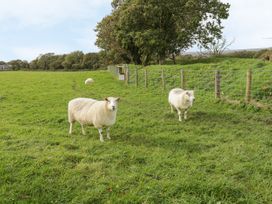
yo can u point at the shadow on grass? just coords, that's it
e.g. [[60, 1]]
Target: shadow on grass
[[197, 122], [199, 117], [169, 143]]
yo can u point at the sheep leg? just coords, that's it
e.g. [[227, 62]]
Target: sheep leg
[[172, 110], [100, 134], [185, 114], [179, 114], [71, 127], [82, 129], [108, 133]]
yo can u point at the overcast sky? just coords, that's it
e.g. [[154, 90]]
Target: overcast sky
[[31, 27], [249, 23]]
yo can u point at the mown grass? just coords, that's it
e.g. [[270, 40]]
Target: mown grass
[[221, 154]]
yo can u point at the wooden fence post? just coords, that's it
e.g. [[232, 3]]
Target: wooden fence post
[[127, 75], [136, 76], [182, 79], [146, 78], [248, 85], [217, 85], [163, 79]]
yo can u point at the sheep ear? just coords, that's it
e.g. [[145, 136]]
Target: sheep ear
[[106, 99], [118, 99]]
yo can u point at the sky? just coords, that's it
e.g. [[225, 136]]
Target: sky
[[32, 27], [29, 28], [249, 24]]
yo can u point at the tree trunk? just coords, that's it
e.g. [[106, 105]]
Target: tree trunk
[[162, 60], [174, 58]]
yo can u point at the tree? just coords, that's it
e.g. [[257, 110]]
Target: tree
[[44, 60], [107, 40], [56, 62], [216, 47], [116, 3], [33, 64], [91, 61], [149, 29], [73, 60], [18, 64]]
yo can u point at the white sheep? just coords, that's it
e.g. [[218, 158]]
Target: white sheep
[[89, 111], [181, 100], [89, 81]]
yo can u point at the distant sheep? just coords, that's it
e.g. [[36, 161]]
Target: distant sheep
[[181, 100], [89, 111], [89, 81]]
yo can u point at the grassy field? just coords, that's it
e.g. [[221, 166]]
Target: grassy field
[[222, 154]]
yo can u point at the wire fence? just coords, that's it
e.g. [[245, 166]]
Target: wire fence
[[233, 85]]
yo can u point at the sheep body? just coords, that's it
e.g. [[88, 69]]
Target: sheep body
[[89, 81], [181, 100], [89, 111]]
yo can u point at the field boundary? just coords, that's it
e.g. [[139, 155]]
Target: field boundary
[[259, 95]]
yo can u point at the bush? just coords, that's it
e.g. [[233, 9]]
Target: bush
[[241, 54], [266, 55]]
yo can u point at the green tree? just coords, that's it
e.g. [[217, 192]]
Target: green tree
[[152, 29], [18, 64], [55, 62], [91, 61], [44, 60], [73, 60], [113, 52], [48, 61], [33, 64]]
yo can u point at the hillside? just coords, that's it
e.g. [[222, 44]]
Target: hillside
[[199, 75]]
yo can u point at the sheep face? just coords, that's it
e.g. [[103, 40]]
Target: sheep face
[[112, 103], [189, 96]]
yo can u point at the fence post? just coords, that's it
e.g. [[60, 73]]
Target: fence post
[[136, 76], [127, 75], [182, 79], [248, 85], [146, 78], [217, 87], [163, 79]]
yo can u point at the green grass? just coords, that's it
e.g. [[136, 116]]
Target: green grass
[[200, 77], [221, 154]]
